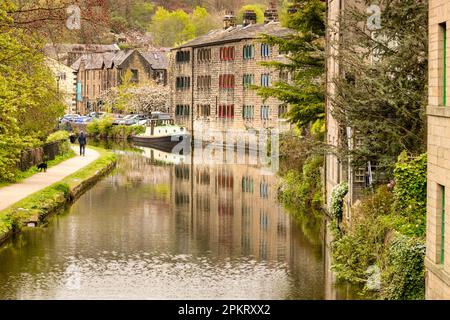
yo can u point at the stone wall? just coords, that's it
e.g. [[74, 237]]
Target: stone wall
[[438, 271]]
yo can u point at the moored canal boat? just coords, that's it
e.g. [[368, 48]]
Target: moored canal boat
[[161, 134]]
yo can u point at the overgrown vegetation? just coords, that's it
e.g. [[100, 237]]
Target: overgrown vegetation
[[104, 129], [383, 95], [387, 229]]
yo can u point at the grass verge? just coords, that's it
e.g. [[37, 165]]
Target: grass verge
[[40, 205], [33, 170]]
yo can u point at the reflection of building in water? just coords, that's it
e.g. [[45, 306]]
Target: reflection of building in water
[[234, 207]]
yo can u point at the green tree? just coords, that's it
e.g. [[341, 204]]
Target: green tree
[[29, 102], [131, 14], [170, 28], [305, 90], [203, 21], [383, 95]]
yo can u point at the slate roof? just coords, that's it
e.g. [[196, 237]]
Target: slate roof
[[240, 32], [94, 61], [157, 59]]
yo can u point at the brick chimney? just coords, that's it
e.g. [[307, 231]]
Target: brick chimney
[[249, 17], [271, 13], [229, 20]]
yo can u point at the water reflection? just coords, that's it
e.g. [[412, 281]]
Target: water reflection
[[160, 228]]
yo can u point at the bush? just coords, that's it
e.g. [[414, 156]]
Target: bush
[[303, 189], [411, 191], [62, 136], [404, 275], [105, 129], [337, 201]]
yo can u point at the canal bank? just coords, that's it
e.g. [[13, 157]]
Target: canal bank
[[161, 227], [46, 194]]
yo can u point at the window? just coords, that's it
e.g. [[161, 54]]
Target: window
[[226, 81], [282, 110], [265, 112], [183, 56], [227, 53], [360, 175], [182, 110], [249, 52], [443, 63], [265, 80], [183, 83], [442, 196], [226, 111], [203, 110], [264, 190], [204, 55], [247, 184], [204, 82], [135, 76], [248, 112], [266, 50], [248, 80]]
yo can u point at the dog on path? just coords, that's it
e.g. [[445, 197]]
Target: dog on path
[[42, 166]]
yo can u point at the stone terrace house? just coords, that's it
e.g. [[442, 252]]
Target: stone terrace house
[[69, 53], [437, 260], [99, 72], [338, 170], [210, 77]]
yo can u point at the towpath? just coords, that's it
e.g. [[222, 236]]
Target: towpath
[[14, 193]]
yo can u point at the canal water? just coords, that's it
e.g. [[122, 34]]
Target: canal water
[[160, 227]]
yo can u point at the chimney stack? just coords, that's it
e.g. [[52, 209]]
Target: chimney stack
[[229, 20], [271, 14], [249, 17], [293, 8]]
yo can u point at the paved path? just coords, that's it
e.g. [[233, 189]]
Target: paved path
[[18, 191]]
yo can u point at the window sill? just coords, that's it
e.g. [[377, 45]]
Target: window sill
[[439, 111]]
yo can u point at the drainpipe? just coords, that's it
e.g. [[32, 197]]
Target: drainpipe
[[192, 92]]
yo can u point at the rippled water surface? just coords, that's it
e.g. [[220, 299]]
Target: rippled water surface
[[161, 229]]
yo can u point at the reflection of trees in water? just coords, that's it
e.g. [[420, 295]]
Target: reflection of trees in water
[[311, 223]]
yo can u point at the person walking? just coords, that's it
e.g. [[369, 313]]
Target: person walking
[[82, 141]]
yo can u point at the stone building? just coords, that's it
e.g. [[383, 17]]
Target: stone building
[[69, 53], [338, 169], [211, 76], [66, 81], [438, 229], [99, 72]]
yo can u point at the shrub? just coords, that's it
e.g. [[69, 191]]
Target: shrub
[[303, 189], [62, 136], [337, 200], [404, 275]]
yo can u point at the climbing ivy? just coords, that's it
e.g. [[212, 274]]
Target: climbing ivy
[[404, 275]]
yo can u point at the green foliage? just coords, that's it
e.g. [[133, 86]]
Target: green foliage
[[105, 129], [337, 200], [361, 245], [171, 28], [54, 197], [134, 14], [63, 137], [404, 276], [303, 190], [257, 8], [29, 102], [411, 183], [305, 92], [384, 93], [375, 220]]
